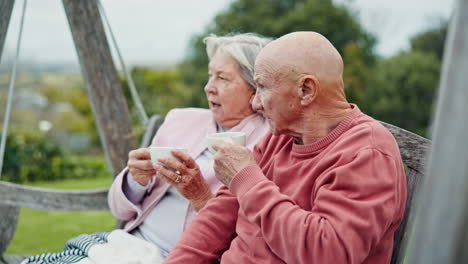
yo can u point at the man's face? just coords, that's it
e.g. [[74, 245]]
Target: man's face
[[276, 100]]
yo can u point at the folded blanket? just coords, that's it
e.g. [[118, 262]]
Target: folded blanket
[[117, 247]]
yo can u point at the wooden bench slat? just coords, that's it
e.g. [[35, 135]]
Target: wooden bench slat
[[401, 236], [52, 199], [413, 148], [12, 259]]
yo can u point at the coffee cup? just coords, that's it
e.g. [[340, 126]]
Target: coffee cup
[[158, 152], [238, 137]]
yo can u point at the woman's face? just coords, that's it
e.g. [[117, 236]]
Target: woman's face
[[229, 95]]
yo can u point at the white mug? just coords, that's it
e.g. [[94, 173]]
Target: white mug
[[238, 137], [158, 152]]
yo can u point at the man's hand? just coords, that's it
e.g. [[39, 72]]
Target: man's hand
[[230, 158]]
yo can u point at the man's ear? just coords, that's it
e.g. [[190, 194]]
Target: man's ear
[[309, 87]]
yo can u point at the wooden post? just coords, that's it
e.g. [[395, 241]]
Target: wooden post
[[9, 214], [104, 87], [6, 7], [440, 232]]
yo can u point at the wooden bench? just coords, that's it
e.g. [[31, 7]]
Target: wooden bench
[[413, 150]]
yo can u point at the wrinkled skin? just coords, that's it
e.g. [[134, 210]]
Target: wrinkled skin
[[140, 165], [230, 159], [192, 185]]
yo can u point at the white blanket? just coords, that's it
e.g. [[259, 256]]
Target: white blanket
[[117, 247]]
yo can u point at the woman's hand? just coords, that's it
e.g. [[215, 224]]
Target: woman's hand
[[140, 165], [186, 178]]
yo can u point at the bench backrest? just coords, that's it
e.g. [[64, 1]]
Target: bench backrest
[[413, 149]]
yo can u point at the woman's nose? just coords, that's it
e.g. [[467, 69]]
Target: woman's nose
[[210, 87]]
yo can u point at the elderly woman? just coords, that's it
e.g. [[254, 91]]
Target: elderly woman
[[159, 203]]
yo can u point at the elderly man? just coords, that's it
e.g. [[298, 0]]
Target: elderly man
[[327, 185]]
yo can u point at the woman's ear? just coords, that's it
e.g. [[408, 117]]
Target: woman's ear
[[309, 87]]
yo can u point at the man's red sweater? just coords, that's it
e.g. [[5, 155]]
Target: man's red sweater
[[338, 200]]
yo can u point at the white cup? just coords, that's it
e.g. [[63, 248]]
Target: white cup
[[158, 152], [238, 137]]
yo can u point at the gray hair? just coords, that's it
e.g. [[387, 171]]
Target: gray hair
[[243, 48]]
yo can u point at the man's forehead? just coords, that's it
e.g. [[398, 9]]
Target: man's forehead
[[260, 75], [263, 67]]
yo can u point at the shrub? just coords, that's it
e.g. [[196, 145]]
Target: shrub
[[31, 157]]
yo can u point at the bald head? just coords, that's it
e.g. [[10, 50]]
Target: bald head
[[302, 53], [300, 86]]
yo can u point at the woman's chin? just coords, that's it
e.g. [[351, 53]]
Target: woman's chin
[[227, 123]]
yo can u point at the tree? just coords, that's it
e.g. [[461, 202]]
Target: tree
[[402, 90], [69, 91], [31, 156], [355, 74], [432, 40], [160, 90], [274, 18]]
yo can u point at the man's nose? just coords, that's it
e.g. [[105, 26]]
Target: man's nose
[[257, 103]]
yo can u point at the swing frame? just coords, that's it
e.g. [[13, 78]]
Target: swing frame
[[433, 227]]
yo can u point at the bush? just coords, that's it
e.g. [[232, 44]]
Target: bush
[[31, 157], [402, 90]]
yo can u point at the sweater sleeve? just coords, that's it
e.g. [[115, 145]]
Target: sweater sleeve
[[210, 234], [353, 205], [119, 204], [133, 190]]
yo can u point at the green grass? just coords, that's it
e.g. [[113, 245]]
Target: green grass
[[43, 231]]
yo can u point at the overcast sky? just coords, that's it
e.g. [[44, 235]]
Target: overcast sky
[[157, 32]]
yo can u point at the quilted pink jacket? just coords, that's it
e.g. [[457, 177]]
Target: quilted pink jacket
[[186, 128]]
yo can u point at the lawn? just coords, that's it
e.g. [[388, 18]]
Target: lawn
[[43, 231]]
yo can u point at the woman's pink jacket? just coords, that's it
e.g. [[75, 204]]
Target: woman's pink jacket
[[186, 128]]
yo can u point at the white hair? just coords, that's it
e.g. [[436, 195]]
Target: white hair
[[243, 48]]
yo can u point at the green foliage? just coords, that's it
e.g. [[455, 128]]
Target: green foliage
[[69, 90], [33, 157], [355, 74], [279, 17], [432, 40], [274, 18], [403, 88], [29, 156], [159, 90]]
